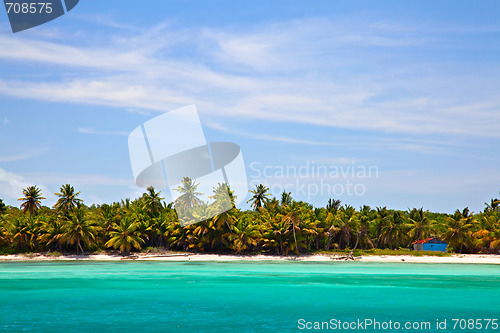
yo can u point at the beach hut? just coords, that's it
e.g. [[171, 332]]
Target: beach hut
[[430, 244]]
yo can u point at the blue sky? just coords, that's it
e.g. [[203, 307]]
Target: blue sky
[[408, 88]]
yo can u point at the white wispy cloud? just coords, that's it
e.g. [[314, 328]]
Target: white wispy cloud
[[267, 137], [106, 20], [296, 71], [57, 179], [12, 185], [93, 131], [23, 156], [420, 146]]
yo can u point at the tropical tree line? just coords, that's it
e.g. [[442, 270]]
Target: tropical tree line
[[279, 226]]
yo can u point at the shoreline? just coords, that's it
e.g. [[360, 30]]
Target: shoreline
[[453, 259]]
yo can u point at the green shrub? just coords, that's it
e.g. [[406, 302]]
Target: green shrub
[[6, 251]]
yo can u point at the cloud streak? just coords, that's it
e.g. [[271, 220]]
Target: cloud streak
[[23, 156], [260, 73], [12, 185], [92, 131]]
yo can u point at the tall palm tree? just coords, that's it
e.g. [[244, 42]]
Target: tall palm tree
[[259, 196], [286, 198], [379, 223], [17, 232], [67, 199], [243, 235], [125, 236], [458, 229], [333, 205], [393, 234], [273, 230], [291, 220], [79, 230], [189, 197], [419, 224], [164, 224], [152, 202], [330, 230], [272, 205], [486, 239], [346, 223], [32, 199], [179, 237], [52, 234], [215, 231], [495, 240], [364, 236], [223, 198], [3, 208], [493, 206]]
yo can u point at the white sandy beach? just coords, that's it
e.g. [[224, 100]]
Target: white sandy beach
[[454, 259]]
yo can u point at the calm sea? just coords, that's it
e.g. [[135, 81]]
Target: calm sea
[[248, 297]]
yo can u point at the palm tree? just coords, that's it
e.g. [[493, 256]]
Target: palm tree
[[364, 237], [163, 224], [364, 228], [419, 224], [179, 237], [189, 197], [379, 223], [333, 205], [125, 236], [286, 198], [78, 230], [223, 198], [495, 240], [3, 208], [273, 231], [53, 231], [346, 223], [458, 229], [152, 202], [32, 199], [213, 231], [291, 220], [225, 218], [393, 233], [244, 234], [272, 206], [486, 239], [330, 230], [17, 233], [493, 206], [67, 199], [259, 196]]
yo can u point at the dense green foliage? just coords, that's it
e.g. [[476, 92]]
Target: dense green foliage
[[275, 226]]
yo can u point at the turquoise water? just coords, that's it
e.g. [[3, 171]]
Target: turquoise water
[[242, 296]]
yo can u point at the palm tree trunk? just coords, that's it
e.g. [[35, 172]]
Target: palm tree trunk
[[295, 239], [79, 245], [351, 256]]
